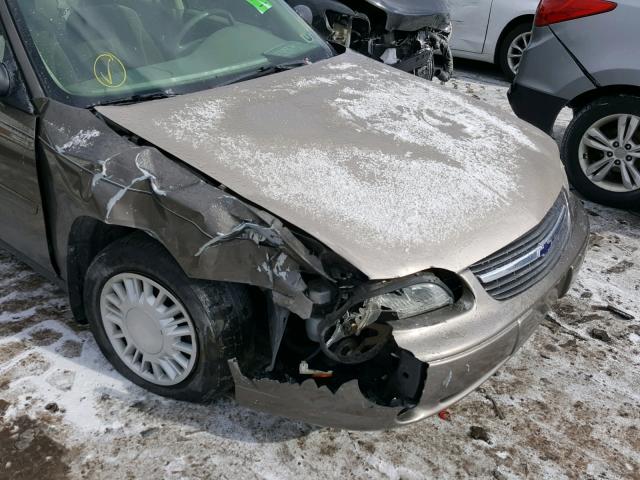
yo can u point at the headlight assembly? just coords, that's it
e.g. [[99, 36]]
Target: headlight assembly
[[405, 302], [413, 300], [364, 328]]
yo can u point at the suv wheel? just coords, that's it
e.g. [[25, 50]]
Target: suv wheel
[[160, 329], [601, 151], [512, 48]]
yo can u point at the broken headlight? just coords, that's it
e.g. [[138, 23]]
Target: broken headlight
[[413, 300], [362, 332], [404, 302]]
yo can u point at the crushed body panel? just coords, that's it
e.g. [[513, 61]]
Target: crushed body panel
[[100, 174], [459, 358]]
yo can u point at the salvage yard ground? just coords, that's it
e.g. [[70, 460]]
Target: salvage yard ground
[[567, 406]]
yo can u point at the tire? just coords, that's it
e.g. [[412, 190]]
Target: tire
[[426, 71], [219, 316], [520, 30], [577, 161]]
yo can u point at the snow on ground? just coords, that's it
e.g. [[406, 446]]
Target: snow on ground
[[567, 406]]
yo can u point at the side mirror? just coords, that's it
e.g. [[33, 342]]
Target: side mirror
[[305, 13], [5, 81]]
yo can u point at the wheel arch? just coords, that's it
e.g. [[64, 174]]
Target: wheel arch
[[585, 98], [522, 19], [87, 237]]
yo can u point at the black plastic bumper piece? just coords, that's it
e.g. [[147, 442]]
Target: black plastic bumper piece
[[538, 108]]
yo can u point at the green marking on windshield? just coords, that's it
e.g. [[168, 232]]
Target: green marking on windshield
[[261, 5]]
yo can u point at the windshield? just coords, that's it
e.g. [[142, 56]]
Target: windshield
[[89, 52]]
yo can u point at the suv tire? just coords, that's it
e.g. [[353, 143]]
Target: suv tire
[[602, 114]]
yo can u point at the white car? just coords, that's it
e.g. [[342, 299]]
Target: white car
[[495, 31]]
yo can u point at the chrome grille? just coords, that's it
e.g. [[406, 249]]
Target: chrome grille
[[526, 261]]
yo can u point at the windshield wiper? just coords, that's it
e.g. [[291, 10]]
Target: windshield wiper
[[138, 98], [266, 70], [261, 72]]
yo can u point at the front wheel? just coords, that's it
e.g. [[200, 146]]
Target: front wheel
[[160, 329], [601, 151]]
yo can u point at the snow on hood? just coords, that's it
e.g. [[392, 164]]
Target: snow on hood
[[394, 173]]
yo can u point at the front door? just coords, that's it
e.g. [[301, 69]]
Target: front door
[[22, 223]]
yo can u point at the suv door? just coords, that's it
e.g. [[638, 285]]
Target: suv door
[[470, 20], [22, 223]]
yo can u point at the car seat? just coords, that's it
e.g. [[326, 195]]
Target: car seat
[[95, 27], [47, 24]]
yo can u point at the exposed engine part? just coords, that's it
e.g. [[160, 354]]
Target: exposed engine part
[[415, 44], [320, 291], [349, 344], [390, 56], [355, 349], [312, 326], [278, 317], [305, 370]]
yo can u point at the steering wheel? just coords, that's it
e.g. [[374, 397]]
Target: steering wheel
[[194, 21]]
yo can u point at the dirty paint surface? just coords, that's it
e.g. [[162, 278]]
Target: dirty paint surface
[[567, 405]]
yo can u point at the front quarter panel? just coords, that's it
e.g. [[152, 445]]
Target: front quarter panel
[[95, 172]]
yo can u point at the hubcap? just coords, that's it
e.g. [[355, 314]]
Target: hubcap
[[609, 153], [149, 329], [516, 50]]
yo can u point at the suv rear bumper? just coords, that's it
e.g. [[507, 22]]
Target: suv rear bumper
[[538, 108], [548, 78], [461, 353]]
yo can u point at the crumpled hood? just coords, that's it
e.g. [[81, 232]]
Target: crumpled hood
[[395, 174]]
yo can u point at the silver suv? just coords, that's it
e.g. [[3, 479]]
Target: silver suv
[[584, 55]]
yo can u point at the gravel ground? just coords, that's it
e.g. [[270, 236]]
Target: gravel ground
[[567, 406]]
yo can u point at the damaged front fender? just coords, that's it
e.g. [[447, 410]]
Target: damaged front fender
[[211, 233]]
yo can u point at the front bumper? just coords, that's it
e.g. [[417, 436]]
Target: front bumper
[[462, 345]]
